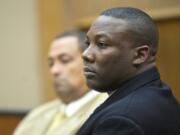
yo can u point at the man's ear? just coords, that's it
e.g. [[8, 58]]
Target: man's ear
[[141, 54]]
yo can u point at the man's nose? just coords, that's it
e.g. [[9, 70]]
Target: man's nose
[[89, 55], [56, 70]]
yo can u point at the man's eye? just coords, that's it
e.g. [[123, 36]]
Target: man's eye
[[65, 60], [50, 64], [102, 45], [87, 43]]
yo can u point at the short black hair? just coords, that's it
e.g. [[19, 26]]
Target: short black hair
[[76, 33], [144, 30]]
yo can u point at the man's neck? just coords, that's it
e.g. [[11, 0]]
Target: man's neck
[[149, 66], [68, 99]]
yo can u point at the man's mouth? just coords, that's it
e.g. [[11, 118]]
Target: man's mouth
[[89, 72]]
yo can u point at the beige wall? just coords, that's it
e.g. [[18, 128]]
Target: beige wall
[[20, 85]]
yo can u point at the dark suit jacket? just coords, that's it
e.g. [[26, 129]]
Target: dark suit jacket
[[141, 106]]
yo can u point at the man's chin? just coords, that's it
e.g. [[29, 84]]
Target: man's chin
[[100, 87], [62, 94], [60, 89], [95, 86]]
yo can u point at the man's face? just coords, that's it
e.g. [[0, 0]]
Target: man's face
[[109, 55], [66, 67]]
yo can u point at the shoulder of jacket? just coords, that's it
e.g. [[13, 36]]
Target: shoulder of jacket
[[45, 108]]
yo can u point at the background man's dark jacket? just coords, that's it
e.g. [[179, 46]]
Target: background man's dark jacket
[[141, 106]]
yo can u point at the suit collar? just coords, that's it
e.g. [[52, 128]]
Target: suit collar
[[75, 106], [131, 85]]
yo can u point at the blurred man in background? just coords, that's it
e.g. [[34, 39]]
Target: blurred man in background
[[76, 102]]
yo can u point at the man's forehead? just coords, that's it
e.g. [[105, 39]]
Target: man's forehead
[[65, 45], [108, 21], [65, 42], [107, 24]]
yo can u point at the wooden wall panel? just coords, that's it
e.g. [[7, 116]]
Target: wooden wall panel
[[9, 121], [84, 8], [77, 10], [51, 14], [168, 59]]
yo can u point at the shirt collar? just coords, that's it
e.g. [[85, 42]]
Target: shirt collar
[[76, 105]]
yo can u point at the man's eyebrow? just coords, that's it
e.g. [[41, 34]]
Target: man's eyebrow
[[62, 55], [99, 35], [102, 34]]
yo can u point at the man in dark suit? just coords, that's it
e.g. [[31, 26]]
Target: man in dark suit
[[120, 59]]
